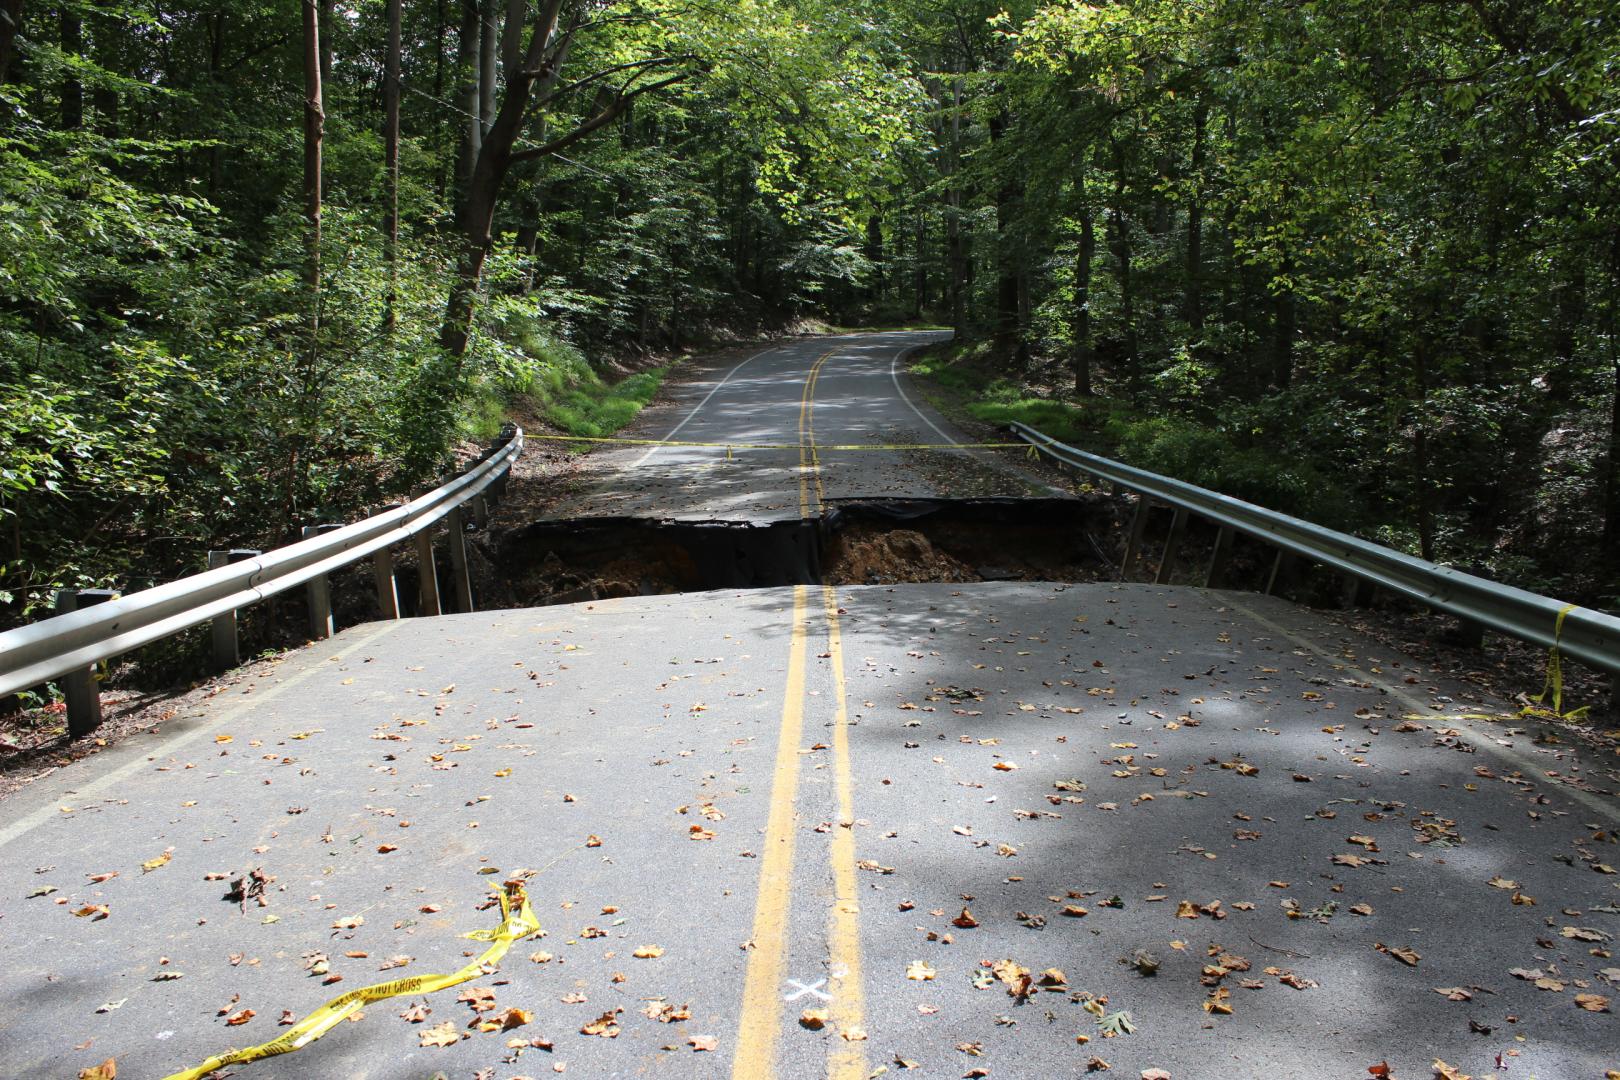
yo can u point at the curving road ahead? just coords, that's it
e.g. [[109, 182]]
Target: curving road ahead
[[805, 402]]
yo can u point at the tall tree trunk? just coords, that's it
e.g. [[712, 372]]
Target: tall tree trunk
[[442, 28], [11, 18], [1120, 227], [919, 271], [314, 125], [1422, 496], [391, 161], [216, 53], [1284, 327], [104, 99], [955, 244], [1009, 255], [874, 255], [467, 99], [486, 65], [1611, 513], [1084, 255], [72, 88], [1193, 301]]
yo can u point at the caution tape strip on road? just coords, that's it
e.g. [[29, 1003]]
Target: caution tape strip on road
[[513, 927], [786, 446]]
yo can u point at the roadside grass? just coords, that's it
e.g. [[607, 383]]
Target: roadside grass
[[549, 382], [961, 382]]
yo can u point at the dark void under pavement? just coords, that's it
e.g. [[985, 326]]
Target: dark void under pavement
[[854, 542], [862, 542]]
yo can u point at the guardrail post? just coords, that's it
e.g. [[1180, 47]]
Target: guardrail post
[[222, 632], [382, 573], [1172, 545], [427, 575], [319, 591], [79, 687], [1358, 591], [455, 525], [1133, 543], [1281, 570], [1470, 634], [1218, 559], [480, 510]]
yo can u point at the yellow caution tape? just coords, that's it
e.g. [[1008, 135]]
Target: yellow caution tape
[[1554, 685], [1555, 680], [513, 927], [729, 447]]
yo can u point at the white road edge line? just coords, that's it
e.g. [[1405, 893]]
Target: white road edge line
[[1482, 740], [894, 373], [30, 821], [676, 430]]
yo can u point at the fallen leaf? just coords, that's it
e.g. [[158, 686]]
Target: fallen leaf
[[162, 860], [702, 1043], [238, 1018], [444, 1034], [965, 920], [1454, 993], [1592, 1002], [648, 952], [107, 1070], [1404, 954], [919, 971], [665, 1013], [1446, 1072], [814, 1019], [605, 1026], [514, 1017]]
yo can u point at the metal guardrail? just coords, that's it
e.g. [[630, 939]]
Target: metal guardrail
[[68, 644], [1592, 637]]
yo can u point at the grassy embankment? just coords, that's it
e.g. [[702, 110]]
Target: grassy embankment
[[961, 381], [552, 384]]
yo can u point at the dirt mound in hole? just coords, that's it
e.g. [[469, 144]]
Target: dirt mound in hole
[[871, 555]]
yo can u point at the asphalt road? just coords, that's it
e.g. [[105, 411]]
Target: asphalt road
[[795, 792], [774, 431], [1008, 830]]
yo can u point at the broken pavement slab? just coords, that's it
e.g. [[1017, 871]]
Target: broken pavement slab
[[1183, 767]]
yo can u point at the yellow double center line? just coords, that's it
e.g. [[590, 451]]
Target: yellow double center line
[[811, 494], [763, 1004]]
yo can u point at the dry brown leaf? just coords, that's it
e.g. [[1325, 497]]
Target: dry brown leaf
[[1446, 1072], [606, 1025], [1404, 954], [238, 1018], [444, 1034], [665, 1013], [814, 1019], [107, 1070], [648, 952], [514, 1017], [965, 920], [1592, 1002], [703, 1043]]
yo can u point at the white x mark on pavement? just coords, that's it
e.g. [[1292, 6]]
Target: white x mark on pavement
[[813, 988]]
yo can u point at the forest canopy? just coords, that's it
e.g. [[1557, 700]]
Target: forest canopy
[[266, 263]]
